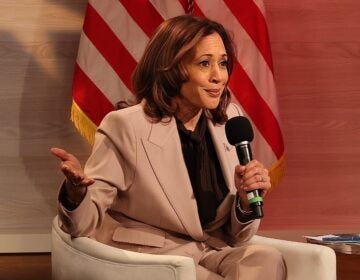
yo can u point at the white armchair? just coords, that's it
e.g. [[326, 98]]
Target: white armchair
[[304, 261], [83, 258]]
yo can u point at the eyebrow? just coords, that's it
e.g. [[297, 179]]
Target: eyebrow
[[209, 54]]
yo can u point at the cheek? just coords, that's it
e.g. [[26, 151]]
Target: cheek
[[198, 78], [225, 75]]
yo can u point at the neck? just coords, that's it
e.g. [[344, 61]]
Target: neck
[[189, 118]]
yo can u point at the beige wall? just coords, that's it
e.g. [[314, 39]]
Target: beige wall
[[38, 45], [316, 50]]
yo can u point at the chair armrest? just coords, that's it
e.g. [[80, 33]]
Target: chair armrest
[[303, 260], [84, 258]]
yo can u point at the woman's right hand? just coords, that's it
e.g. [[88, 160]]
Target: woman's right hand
[[76, 180]]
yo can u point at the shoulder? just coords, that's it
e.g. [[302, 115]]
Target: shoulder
[[133, 116], [125, 125], [124, 115], [233, 110]]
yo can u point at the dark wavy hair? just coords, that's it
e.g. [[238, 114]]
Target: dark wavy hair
[[160, 73]]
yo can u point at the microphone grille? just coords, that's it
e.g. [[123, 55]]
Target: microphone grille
[[239, 129]]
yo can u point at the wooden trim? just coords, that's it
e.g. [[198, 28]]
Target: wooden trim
[[25, 243]]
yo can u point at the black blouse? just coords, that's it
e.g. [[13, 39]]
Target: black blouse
[[204, 169]]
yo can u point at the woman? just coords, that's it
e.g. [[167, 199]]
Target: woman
[[162, 177]]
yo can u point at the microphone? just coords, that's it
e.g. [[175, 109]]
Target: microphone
[[239, 133]]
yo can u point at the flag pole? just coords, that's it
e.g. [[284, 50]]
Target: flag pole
[[190, 7]]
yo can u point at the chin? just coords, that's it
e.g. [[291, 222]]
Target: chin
[[212, 105]]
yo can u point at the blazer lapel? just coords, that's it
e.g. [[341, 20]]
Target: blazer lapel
[[228, 159], [164, 152], [226, 153]]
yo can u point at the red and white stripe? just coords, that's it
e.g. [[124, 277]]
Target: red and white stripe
[[114, 37]]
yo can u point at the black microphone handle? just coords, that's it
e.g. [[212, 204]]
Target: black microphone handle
[[244, 153]]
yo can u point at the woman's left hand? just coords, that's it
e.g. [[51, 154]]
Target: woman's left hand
[[249, 177]]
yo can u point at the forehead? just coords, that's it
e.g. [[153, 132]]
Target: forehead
[[211, 44]]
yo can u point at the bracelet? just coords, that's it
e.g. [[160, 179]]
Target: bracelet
[[74, 184], [238, 206]]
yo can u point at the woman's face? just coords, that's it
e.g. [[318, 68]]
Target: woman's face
[[207, 75]]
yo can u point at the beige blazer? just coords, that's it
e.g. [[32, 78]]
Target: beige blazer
[[142, 195]]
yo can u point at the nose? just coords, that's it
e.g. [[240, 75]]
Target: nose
[[217, 74]]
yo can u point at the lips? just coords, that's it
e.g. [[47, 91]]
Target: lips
[[214, 92]]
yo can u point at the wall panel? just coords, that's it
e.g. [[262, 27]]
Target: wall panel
[[316, 53], [38, 46]]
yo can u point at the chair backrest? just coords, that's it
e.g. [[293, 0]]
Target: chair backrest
[[84, 258]]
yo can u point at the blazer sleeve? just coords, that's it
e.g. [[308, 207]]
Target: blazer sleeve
[[241, 231], [112, 165]]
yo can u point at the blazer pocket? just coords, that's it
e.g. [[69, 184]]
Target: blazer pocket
[[140, 236]]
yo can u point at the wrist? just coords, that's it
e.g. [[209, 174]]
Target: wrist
[[243, 206], [74, 194]]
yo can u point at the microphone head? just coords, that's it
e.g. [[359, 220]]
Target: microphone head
[[238, 129]]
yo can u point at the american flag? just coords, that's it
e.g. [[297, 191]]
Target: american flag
[[115, 34]]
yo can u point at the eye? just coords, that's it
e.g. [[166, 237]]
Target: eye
[[204, 63], [224, 63]]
